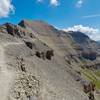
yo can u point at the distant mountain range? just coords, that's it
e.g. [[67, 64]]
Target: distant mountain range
[[98, 41]]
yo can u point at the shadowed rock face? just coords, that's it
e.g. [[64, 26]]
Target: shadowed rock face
[[29, 44], [22, 24], [89, 49], [89, 89], [12, 29], [85, 42], [44, 61], [45, 55], [89, 55], [79, 37], [17, 31]]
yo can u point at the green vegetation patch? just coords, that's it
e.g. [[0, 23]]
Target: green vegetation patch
[[97, 73], [90, 75]]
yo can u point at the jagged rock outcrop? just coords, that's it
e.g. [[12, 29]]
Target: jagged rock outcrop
[[89, 89], [16, 31], [45, 55], [89, 55]]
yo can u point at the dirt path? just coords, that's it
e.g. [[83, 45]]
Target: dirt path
[[6, 76]]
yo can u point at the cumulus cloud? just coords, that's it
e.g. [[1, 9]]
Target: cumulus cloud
[[79, 3], [6, 8], [91, 32], [54, 2]]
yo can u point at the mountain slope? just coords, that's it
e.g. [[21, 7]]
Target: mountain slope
[[46, 62], [78, 50], [84, 41]]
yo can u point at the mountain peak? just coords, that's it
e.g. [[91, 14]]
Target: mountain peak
[[25, 22], [38, 26]]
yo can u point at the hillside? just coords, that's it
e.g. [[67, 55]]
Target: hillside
[[40, 62]]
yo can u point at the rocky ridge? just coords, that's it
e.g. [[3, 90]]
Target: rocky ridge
[[47, 63]]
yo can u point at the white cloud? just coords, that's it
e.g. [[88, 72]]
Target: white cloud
[[40, 1], [54, 2], [91, 16], [91, 32], [6, 8], [79, 3]]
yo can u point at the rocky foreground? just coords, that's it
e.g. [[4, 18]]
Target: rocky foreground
[[39, 62]]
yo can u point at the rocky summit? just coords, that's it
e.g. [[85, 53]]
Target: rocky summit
[[40, 62]]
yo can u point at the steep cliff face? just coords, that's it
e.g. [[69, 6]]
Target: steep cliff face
[[42, 63]]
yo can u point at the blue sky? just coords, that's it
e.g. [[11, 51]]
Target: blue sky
[[67, 13], [60, 13]]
